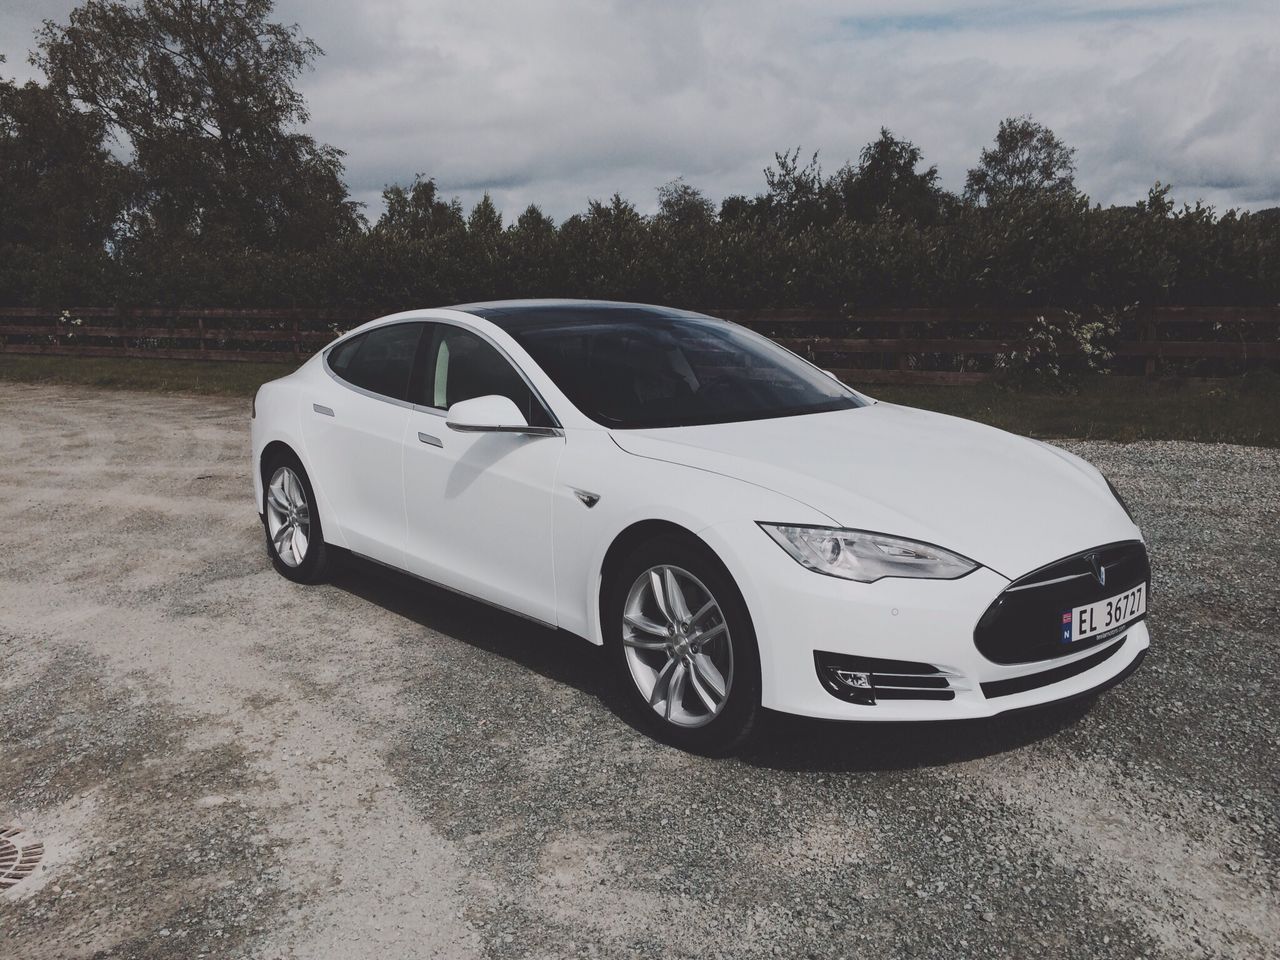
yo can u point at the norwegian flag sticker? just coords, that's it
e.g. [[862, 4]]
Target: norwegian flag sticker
[[1066, 627]]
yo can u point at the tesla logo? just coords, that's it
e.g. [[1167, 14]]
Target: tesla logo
[[1099, 571]]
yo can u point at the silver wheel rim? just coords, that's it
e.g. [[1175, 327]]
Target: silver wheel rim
[[288, 517], [677, 645]]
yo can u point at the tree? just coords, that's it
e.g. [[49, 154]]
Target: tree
[[485, 220], [533, 260], [1158, 204], [418, 212], [886, 178], [683, 205], [608, 251], [533, 222], [59, 183], [61, 196], [795, 193], [203, 94], [739, 209], [483, 252], [1027, 159], [618, 215]]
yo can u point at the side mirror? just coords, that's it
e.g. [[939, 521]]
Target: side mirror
[[485, 414], [493, 414]]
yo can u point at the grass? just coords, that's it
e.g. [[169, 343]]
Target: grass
[[159, 376], [1245, 410]]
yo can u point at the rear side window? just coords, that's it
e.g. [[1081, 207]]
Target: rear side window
[[340, 356], [379, 361], [462, 366]]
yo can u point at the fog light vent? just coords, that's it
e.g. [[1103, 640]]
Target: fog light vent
[[854, 679], [865, 680]]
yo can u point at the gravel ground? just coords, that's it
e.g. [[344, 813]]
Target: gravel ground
[[223, 764]]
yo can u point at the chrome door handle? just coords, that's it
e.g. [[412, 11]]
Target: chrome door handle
[[322, 409], [429, 439]]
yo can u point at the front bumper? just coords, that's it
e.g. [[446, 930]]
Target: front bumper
[[798, 614]]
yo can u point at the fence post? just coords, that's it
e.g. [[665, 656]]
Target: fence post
[[1147, 334], [297, 338]]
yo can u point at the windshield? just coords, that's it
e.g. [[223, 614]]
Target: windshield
[[675, 371]]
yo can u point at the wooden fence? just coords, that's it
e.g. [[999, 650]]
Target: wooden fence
[[882, 346]]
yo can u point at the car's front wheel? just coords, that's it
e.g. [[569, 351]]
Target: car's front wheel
[[295, 541], [682, 646]]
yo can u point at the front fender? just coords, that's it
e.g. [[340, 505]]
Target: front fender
[[632, 490]]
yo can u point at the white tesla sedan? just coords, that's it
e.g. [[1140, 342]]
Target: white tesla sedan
[[738, 528]]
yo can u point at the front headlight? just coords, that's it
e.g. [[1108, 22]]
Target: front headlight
[[865, 556]]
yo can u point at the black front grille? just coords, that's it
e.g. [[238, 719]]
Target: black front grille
[[865, 680], [1024, 623]]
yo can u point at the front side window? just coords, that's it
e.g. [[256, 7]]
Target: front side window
[[462, 366], [380, 360], [671, 371]]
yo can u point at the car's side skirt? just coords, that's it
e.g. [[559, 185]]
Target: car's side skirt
[[461, 593]]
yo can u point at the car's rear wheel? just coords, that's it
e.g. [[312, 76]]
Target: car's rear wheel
[[295, 540], [682, 646]]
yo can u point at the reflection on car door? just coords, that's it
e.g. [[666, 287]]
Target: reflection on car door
[[478, 505], [354, 437]]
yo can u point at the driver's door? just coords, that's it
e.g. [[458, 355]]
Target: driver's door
[[478, 506]]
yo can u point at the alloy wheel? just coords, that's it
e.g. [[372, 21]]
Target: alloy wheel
[[288, 517], [677, 646]]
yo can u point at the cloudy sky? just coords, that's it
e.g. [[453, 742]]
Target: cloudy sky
[[558, 101]]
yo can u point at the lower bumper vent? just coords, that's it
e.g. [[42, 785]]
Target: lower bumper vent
[[1033, 681], [866, 680]]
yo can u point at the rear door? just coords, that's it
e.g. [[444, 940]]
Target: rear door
[[354, 431], [479, 505]]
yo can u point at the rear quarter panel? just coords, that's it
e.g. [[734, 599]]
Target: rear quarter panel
[[279, 405]]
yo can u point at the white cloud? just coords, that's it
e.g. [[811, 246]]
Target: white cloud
[[556, 101]]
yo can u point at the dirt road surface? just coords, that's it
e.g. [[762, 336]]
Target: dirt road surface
[[220, 763]]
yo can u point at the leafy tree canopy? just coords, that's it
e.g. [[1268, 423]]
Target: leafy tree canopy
[[886, 178], [1028, 158], [61, 195], [214, 196], [417, 212], [59, 184], [795, 193], [683, 205], [203, 94], [485, 220]]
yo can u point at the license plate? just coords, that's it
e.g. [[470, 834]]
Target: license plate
[[1081, 623]]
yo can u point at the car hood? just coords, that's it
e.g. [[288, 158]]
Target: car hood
[[1004, 501]]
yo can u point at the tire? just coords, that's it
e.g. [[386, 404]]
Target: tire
[[288, 501], [651, 652]]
